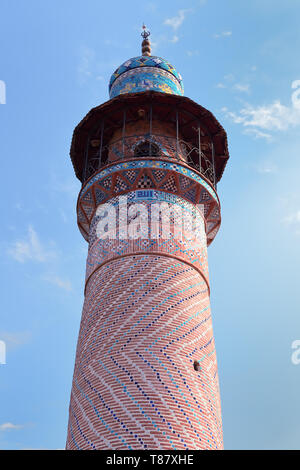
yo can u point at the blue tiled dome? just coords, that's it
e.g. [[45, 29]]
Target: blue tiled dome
[[145, 73]]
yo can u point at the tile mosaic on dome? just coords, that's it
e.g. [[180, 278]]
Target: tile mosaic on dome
[[144, 61], [143, 79]]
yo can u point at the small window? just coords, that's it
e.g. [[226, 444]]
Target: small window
[[146, 149], [197, 366]]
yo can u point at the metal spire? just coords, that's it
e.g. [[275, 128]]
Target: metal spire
[[146, 46]]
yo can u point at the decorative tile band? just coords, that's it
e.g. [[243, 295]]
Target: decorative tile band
[[146, 178], [143, 79], [148, 164], [180, 232], [144, 61]]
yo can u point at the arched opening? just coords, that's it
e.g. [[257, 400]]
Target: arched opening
[[146, 149], [197, 366]]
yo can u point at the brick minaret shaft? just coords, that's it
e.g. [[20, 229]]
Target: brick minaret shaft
[[146, 371]]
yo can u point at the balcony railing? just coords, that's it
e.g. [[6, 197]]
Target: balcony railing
[[198, 156]]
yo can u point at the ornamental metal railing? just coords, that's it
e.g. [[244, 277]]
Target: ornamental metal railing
[[151, 146]]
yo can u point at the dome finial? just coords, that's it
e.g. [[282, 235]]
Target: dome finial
[[146, 46]]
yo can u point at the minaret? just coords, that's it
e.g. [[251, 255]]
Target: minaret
[[149, 160]]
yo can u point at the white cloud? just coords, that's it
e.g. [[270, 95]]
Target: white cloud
[[290, 201], [70, 187], [151, 7], [30, 249], [266, 169], [293, 218], [10, 426], [272, 117], [177, 21], [163, 39], [64, 284], [292, 221], [63, 216], [224, 34], [90, 67], [86, 58], [18, 206], [192, 53], [220, 85], [229, 77], [15, 339], [174, 39], [258, 134], [244, 88]]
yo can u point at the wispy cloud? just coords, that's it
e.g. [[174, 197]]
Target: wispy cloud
[[175, 38], [258, 134], [90, 67], [293, 218], [30, 249], [244, 88], [229, 77], [228, 82], [151, 7], [223, 34], [192, 53], [290, 202], [57, 281], [10, 426], [176, 21], [163, 39], [267, 168], [14, 340], [66, 186], [273, 117], [86, 58], [292, 221]]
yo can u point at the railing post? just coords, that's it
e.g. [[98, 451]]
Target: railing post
[[177, 134], [123, 132], [86, 158], [199, 146], [101, 144], [150, 128], [213, 162]]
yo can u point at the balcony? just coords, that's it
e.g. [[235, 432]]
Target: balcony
[[150, 125], [149, 147]]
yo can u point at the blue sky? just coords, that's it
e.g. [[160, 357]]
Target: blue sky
[[238, 59]]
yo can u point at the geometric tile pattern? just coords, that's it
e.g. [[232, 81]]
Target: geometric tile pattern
[[145, 182], [143, 79], [181, 169], [157, 64], [145, 320], [125, 177], [178, 243]]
